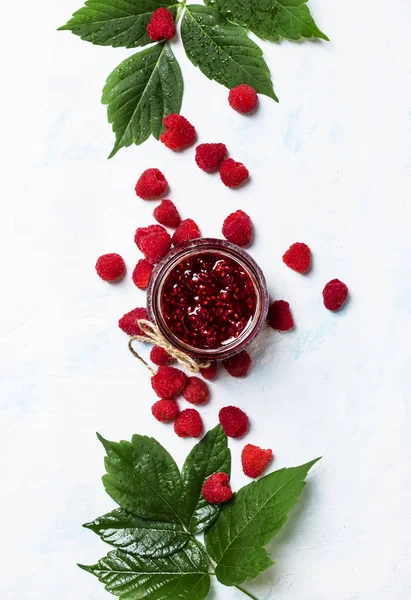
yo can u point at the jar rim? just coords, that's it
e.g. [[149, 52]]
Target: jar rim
[[202, 246]]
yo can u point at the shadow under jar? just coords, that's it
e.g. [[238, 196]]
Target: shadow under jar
[[208, 298]]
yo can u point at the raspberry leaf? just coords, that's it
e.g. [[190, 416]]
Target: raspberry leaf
[[140, 92], [116, 22], [183, 575], [209, 456], [223, 51], [259, 510], [290, 19], [142, 478], [139, 536]]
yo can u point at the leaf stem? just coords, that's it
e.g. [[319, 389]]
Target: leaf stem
[[245, 592], [180, 10]]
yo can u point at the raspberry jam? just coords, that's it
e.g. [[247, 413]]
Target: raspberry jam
[[208, 298]]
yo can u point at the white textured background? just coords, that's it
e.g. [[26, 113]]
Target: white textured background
[[330, 166]]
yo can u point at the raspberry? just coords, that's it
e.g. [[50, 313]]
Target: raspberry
[[255, 460], [165, 410], [238, 365], [232, 173], [169, 382], [187, 230], [154, 248], [161, 357], [167, 214], [128, 323], [110, 267], [189, 424], [210, 156], [197, 391], [153, 241], [142, 274], [335, 294], [238, 229], [210, 372], [161, 25], [151, 184], [279, 316], [298, 257], [141, 232], [243, 99], [233, 421], [216, 489], [179, 133]]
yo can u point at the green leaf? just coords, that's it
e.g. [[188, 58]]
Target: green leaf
[[142, 478], [223, 51], [271, 19], [236, 540], [116, 22], [140, 92], [139, 536], [210, 455], [183, 576]]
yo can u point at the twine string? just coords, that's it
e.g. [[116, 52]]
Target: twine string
[[152, 335]]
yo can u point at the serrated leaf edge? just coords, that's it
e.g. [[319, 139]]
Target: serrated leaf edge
[[272, 94], [309, 465]]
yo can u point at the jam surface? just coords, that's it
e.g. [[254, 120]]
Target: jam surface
[[208, 300]]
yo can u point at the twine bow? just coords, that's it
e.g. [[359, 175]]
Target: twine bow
[[152, 335]]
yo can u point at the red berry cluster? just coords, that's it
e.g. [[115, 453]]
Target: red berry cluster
[[170, 383], [254, 460], [179, 134], [335, 293], [154, 241]]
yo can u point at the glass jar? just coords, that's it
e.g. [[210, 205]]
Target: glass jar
[[208, 298]]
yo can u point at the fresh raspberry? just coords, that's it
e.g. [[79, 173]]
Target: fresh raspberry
[[298, 257], [167, 214], [154, 248], [210, 156], [189, 424], [142, 273], [153, 241], [243, 99], [128, 323], [161, 357], [255, 460], [161, 25], [165, 410], [187, 230], [110, 267], [197, 391], [232, 173], [179, 133], [279, 316], [238, 229], [216, 489], [335, 294], [151, 184], [238, 365], [142, 232], [210, 372], [234, 421], [169, 382]]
